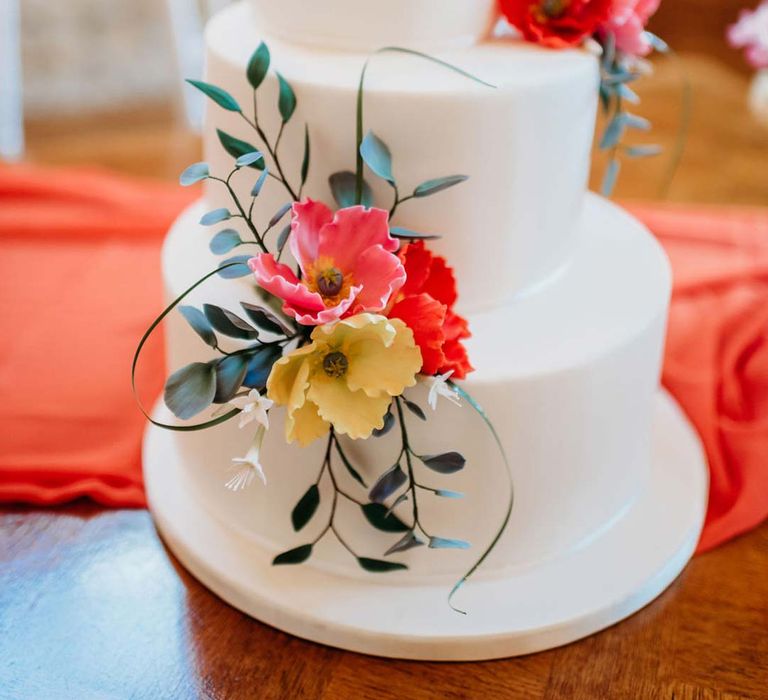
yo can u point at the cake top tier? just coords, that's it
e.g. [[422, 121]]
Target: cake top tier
[[366, 25]]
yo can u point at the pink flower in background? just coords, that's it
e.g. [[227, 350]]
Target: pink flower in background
[[347, 264], [627, 22], [751, 34]]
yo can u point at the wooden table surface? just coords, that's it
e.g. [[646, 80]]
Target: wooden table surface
[[92, 606]]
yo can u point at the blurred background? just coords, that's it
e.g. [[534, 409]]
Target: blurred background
[[99, 82]]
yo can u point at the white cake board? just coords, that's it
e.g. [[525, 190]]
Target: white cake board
[[528, 610]]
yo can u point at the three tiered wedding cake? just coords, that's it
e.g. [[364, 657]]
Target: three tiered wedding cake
[[566, 297]]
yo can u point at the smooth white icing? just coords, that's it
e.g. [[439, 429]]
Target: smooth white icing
[[525, 144], [568, 376], [365, 25]]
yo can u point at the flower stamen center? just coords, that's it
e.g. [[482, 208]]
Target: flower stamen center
[[330, 282], [335, 364], [553, 9]]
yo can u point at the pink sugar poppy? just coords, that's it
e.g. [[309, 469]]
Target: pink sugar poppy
[[346, 259], [627, 22]]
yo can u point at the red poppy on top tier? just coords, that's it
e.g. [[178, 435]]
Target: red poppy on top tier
[[557, 23], [425, 304]]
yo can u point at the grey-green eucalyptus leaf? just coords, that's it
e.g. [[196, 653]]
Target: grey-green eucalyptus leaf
[[228, 323], [241, 269], [224, 241], [215, 217], [190, 390], [193, 174], [377, 157], [230, 373], [425, 189], [443, 543]]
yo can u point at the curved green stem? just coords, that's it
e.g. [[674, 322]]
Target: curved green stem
[[510, 505], [140, 347]]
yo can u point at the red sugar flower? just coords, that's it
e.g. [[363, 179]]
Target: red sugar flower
[[425, 304], [556, 23]]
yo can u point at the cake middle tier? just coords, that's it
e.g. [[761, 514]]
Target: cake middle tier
[[568, 376], [524, 144]]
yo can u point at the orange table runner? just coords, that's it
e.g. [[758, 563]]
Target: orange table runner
[[80, 282]]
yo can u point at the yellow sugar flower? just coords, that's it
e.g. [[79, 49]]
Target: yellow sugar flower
[[346, 377]]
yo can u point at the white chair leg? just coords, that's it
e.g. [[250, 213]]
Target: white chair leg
[[11, 101], [187, 35]]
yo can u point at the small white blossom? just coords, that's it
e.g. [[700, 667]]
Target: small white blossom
[[438, 386], [245, 469], [253, 407]]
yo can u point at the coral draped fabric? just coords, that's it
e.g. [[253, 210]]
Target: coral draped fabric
[[80, 282]]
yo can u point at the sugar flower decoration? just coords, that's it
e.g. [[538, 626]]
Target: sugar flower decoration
[[346, 377], [246, 469], [556, 23], [627, 22], [425, 304], [347, 264], [253, 407], [438, 386], [750, 33]]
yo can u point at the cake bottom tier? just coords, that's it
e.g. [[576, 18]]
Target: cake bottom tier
[[567, 375], [520, 612]]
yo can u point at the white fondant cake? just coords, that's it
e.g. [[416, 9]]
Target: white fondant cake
[[565, 294]]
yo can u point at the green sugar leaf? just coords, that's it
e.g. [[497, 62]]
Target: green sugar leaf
[[286, 102], [194, 173], [239, 267], [305, 508], [215, 217], [228, 323], [425, 189], [443, 543], [293, 556], [377, 157], [258, 66], [343, 190], [446, 463], [379, 516], [378, 566], [408, 541], [200, 324], [190, 389], [306, 159], [230, 373], [237, 147], [219, 96], [224, 241], [387, 484], [249, 159], [256, 191]]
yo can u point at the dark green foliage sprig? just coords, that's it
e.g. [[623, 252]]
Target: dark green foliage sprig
[[308, 505], [256, 72], [396, 485], [616, 75]]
